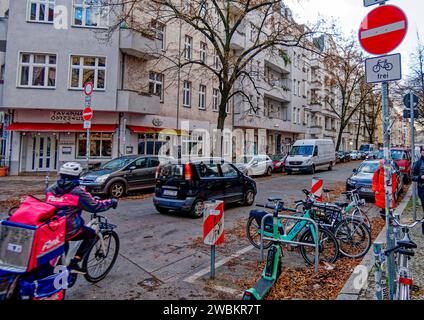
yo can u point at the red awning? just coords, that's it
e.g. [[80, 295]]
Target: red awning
[[60, 127], [140, 129]]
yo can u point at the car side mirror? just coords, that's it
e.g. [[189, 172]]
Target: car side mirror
[[355, 171]]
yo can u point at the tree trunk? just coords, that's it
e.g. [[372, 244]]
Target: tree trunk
[[339, 138]]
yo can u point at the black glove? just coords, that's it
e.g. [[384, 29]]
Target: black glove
[[114, 203]]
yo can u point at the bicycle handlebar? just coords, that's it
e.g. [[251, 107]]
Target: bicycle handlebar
[[409, 226]]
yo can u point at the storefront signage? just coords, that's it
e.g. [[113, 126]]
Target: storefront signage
[[66, 116]]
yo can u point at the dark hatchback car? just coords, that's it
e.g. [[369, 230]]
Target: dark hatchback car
[[185, 186], [122, 175], [361, 179]]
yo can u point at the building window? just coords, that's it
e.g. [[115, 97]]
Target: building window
[[294, 86], [37, 70], [156, 84], [215, 103], [253, 32], [216, 63], [188, 48], [88, 69], [202, 97], [90, 13], [203, 52], [41, 10], [187, 94], [100, 145], [159, 29]]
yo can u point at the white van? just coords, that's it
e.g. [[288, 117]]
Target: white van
[[309, 155]]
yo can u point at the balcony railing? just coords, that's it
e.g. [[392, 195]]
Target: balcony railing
[[238, 41], [138, 45], [138, 102]]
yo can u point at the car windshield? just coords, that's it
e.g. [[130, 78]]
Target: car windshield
[[244, 159], [369, 167], [117, 164], [397, 154], [365, 147], [302, 151]]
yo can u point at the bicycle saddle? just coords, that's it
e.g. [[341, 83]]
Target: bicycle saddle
[[274, 199], [407, 244]]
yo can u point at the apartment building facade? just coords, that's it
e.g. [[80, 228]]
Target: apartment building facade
[[141, 101]]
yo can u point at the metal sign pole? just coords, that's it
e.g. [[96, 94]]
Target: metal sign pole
[[88, 149], [414, 184], [388, 188], [212, 262]]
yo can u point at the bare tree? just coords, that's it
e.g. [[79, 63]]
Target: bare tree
[[344, 63], [220, 22], [371, 113]]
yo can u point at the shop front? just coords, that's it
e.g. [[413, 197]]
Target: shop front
[[45, 146]]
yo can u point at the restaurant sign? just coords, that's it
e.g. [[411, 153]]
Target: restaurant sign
[[66, 116]]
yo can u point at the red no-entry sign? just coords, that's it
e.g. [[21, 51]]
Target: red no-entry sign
[[87, 114], [383, 30]]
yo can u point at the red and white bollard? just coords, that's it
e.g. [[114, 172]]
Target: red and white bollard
[[317, 188]]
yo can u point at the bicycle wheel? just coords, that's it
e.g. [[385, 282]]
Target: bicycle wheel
[[354, 238], [99, 263], [362, 217], [328, 249], [252, 232]]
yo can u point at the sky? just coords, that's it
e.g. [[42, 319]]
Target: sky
[[350, 13]]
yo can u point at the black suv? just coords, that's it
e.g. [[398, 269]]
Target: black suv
[[121, 175], [184, 186]]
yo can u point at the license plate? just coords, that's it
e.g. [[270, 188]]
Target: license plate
[[295, 169], [172, 193], [367, 190]]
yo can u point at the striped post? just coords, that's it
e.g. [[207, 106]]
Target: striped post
[[317, 188]]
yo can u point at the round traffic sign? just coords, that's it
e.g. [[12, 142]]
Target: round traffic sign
[[87, 114], [407, 101], [383, 29], [88, 88]]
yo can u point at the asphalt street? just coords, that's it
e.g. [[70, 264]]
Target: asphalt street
[[157, 252]]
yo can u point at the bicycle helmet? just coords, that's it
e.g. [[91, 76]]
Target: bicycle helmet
[[72, 169]]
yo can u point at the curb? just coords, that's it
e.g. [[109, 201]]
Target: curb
[[350, 291]]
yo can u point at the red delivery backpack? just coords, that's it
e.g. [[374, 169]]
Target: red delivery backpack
[[31, 237]]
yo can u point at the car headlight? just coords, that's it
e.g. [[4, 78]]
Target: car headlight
[[103, 178], [350, 181], [308, 162]]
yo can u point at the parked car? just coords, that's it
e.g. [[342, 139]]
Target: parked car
[[372, 155], [362, 178], [341, 156], [309, 155], [403, 158], [184, 187], [122, 175], [354, 155], [368, 147], [347, 157], [255, 165], [279, 162]]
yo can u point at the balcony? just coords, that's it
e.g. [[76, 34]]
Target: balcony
[[316, 106], [277, 90], [315, 63], [276, 62], [316, 84], [316, 129], [139, 46], [238, 41], [267, 123], [3, 34], [138, 102]]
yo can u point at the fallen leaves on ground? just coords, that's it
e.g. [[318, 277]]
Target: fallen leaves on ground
[[305, 284]]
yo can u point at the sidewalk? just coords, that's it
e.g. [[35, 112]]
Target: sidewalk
[[14, 187], [351, 291]]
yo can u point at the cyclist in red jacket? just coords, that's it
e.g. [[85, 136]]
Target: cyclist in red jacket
[[379, 188], [71, 199]]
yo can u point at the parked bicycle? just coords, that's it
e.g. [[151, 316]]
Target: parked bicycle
[[404, 251], [302, 232], [346, 221]]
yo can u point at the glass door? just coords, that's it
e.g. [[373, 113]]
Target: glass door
[[44, 153]]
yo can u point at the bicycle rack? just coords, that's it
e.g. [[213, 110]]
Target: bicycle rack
[[316, 245]]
